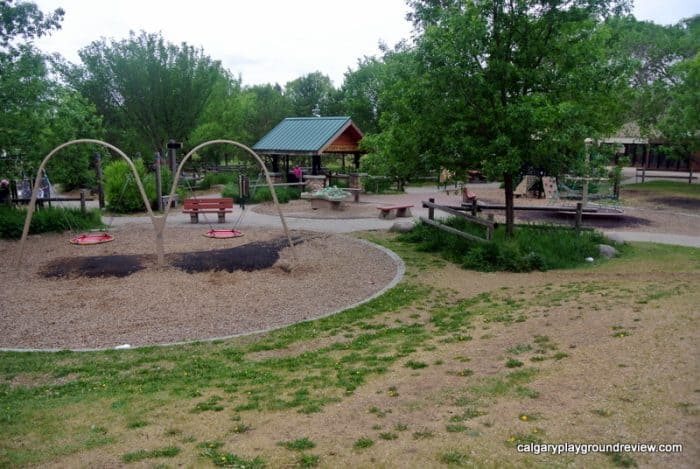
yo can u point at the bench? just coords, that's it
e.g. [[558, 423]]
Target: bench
[[220, 206], [393, 211]]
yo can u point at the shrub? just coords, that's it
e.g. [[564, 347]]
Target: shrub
[[121, 191], [531, 248], [284, 194], [376, 185], [46, 220], [166, 179], [211, 179], [230, 190]]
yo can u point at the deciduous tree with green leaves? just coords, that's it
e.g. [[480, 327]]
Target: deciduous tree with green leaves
[[146, 87], [514, 83], [309, 94], [680, 123], [24, 84], [38, 113]]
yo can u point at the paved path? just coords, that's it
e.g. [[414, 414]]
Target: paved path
[[661, 238], [413, 195]]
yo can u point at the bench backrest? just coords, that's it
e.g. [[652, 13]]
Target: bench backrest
[[209, 204]]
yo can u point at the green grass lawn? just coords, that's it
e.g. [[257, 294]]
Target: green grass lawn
[[126, 406], [666, 188]]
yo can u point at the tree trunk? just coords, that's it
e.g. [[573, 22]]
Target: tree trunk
[[510, 219]]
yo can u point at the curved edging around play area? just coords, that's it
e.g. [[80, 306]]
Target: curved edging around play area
[[400, 271]]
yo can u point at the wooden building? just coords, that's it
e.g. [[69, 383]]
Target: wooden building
[[313, 137], [646, 151]]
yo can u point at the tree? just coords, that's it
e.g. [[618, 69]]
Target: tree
[[70, 117], [222, 117], [266, 106], [653, 52], [680, 124], [146, 87], [25, 20], [309, 94], [25, 88], [404, 133], [359, 95], [514, 83]]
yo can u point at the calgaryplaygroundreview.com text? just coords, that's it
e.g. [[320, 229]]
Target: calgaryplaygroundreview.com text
[[586, 448]]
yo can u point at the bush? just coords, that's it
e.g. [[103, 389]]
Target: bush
[[211, 179], [46, 220], [121, 191], [166, 179], [531, 248], [230, 190], [377, 184], [284, 195]]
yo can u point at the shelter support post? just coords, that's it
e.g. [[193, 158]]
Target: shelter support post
[[315, 165]]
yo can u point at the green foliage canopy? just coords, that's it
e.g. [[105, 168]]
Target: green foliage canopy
[[146, 88], [501, 85]]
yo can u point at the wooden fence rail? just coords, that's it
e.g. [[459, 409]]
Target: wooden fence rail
[[432, 206], [665, 174]]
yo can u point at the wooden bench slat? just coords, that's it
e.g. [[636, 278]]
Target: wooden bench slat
[[394, 207], [392, 211], [220, 206]]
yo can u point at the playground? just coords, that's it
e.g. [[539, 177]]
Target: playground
[[102, 296], [446, 354], [328, 323]]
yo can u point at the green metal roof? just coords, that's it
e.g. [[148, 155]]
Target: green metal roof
[[302, 135]]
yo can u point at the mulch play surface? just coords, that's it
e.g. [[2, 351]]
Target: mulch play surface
[[622, 221], [248, 257]]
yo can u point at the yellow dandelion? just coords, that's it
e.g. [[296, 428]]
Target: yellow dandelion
[[523, 418]]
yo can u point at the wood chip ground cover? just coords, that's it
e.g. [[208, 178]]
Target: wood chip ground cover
[[68, 296]]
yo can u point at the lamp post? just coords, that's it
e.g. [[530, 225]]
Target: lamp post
[[173, 146], [587, 170]]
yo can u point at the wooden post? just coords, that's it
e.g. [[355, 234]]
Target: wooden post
[[100, 186], [690, 172], [644, 173], [431, 210], [473, 207], [489, 229], [579, 216], [83, 208], [159, 184]]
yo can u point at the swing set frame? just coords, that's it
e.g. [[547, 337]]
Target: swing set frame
[[158, 221]]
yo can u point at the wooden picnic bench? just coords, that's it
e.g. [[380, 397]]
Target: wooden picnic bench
[[220, 206], [392, 211]]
